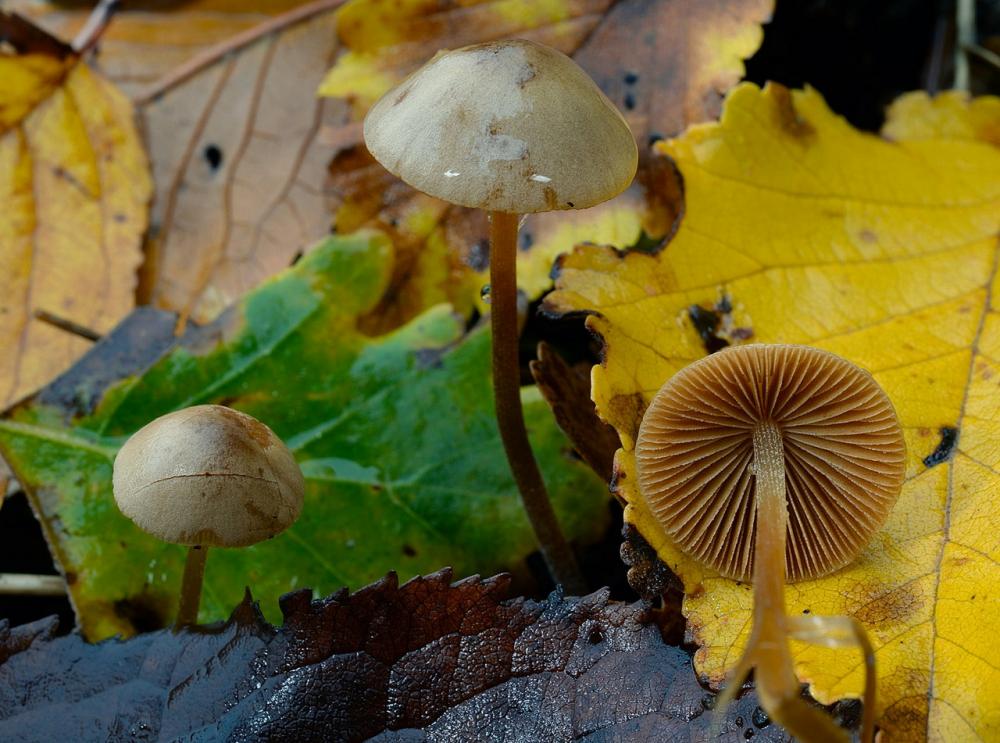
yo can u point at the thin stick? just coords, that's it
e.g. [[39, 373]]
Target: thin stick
[[213, 54], [965, 35], [510, 416], [25, 584], [68, 325], [194, 573], [988, 56], [95, 26]]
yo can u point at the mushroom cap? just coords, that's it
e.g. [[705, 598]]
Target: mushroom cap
[[843, 447], [510, 126], [208, 475]]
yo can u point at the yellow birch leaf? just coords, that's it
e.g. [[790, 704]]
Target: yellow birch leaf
[[74, 189], [800, 229]]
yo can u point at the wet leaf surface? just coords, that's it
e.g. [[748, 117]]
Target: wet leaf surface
[[428, 660], [396, 436]]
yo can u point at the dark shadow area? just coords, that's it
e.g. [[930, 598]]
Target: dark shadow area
[[24, 551]]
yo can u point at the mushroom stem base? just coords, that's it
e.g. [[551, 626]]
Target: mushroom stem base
[[194, 572], [510, 417]]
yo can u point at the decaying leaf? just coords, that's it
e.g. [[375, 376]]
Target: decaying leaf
[[149, 38], [566, 389], [950, 115], [396, 436], [423, 661], [239, 161], [800, 229], [74, 189], [673, 72]]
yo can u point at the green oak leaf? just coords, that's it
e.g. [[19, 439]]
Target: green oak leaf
[[395, 435]]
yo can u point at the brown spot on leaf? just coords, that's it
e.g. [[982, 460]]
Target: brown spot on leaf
[[868, 236], [627, 411], [875, 605], [787, 116], [907, 717]]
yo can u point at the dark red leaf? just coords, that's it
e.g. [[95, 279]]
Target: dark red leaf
[[425, 661]]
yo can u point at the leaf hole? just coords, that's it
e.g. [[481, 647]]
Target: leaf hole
[[213, 156]]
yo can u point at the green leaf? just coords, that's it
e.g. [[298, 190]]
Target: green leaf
[[395, 434]]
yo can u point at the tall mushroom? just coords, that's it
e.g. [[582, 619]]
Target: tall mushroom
[[512, 127], [766, 461], [207, 476]]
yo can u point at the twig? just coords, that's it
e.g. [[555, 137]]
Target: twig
[[932, 73], [95, 26], [988, 56], [213, 54], [965, 36], [26, 584], [68, 325]]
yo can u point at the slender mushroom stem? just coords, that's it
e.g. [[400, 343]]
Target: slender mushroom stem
[[507, 396], [768, 650], [194, 572]]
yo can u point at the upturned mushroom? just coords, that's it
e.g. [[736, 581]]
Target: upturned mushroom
[[207, 476], [772, 461], [512, 127]]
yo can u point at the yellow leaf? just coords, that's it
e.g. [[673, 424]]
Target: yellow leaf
[[74, 187], [387, 39], [800, 229]]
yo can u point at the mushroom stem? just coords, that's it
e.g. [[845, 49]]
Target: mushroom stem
[[194, 572], [768, 650], [507, 397]]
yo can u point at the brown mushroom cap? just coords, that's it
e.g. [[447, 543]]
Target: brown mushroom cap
[[844, 456], [510, 126], [208, 475]]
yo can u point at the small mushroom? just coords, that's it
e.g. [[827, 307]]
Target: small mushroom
[[207, 476], [512, 127], [766, 461]]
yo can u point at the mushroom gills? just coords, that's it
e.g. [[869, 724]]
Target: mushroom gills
[[792, 450]]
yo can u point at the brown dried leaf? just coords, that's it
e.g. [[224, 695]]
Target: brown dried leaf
[[239, 161], [567, 391], [425, 661], [149, 38]]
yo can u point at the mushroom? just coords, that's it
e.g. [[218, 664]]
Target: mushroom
[[512, 127], [766, 461], [207, 476]]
